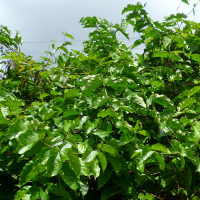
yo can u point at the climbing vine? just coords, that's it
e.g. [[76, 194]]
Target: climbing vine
[[103, 123]]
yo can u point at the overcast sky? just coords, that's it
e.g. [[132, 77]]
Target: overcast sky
[[45, 20]]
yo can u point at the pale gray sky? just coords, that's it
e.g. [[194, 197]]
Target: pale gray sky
[[45, 20]]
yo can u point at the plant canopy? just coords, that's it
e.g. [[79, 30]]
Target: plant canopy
[[103, 123]]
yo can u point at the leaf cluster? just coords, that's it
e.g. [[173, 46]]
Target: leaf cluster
[[104, 123]]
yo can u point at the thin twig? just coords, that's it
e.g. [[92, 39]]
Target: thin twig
[[178, 6]]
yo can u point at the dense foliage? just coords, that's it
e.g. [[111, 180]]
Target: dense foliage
[[103, 123]]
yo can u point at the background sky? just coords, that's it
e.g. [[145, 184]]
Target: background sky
[[40, 21]]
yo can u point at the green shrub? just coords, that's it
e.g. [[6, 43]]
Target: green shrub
[[103, 123]]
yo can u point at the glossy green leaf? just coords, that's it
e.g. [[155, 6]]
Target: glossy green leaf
[[89, 22], [91, 85], [160, 147], [166, 41], [27, 140], [157, 83], [5, 111], [185, 1], [102, 134], [132, 8], [186, 103], [90, 127], [54, 162], [64, 150], [82, 147], [3, 114], [141, 163], [30, 170], [85, 168], [163, 100], [105, 113], [74, 163], [71, 112], [195, 57], [193, 91], [138, 100], [84, 187], [197, 131], [161, 54], [46, 113], [109, 149], [174, 56], [102, 160], [137, 43], [68, 35], [23, 193], [69, 177], [19, 127], [144, 132], [146, 196], [38, 192], [71, 93], [95, 169], [67, 125], [91, 156]]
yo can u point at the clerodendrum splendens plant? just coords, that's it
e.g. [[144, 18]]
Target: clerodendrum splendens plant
[[103, 123]]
